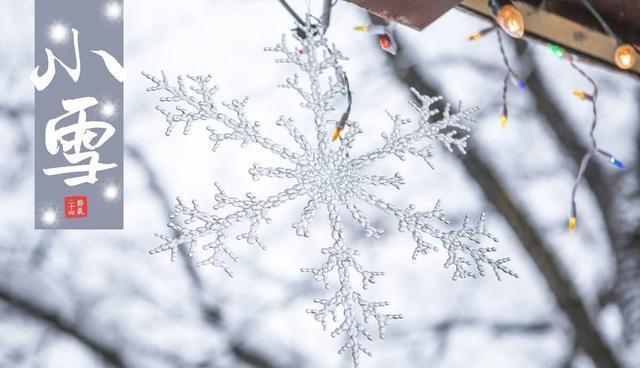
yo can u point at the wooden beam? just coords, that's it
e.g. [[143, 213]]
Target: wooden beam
[[416, 14], [570, 30], [549, 27]]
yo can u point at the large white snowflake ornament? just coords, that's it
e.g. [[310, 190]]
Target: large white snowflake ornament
[[326, 176]]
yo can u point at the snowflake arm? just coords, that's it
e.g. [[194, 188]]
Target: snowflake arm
[[359, 216], [309, 211], [449, 130], [299, 138], [200, 106], [257, 172], [198, 225], [396, 181], [347, 307], [313, 58], [459, 244]]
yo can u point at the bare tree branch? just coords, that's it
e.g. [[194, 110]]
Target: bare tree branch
[[111, 356], [586, 334]]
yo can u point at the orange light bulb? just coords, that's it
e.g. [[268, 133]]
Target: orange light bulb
[[510, 20], [625, 56], [384, 41]]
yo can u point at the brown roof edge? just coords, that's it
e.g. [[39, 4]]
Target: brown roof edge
[[566, 23], [546, 27]]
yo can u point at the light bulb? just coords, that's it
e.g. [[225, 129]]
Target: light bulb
[[475, 36], [510, 20], [617, 163], [503, 121], [481, 33], [556, 50], [625, 56], [572, 224], [580, 94], [336, 134], [384, 41], [614, 161]]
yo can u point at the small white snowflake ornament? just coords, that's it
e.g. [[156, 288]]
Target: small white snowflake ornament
[[326, 177]]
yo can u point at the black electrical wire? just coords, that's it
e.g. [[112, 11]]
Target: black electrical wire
[[600, 20], [292, 12]]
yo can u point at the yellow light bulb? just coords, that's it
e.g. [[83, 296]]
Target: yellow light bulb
[[625, 56], [510, 20], [475, 36], [336, 134], [503, 121], [579, 94], [361, 28], [572, 224]]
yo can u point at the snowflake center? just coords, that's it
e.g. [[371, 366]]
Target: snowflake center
[[326, 177]]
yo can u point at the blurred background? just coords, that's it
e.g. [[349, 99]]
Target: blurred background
[[98, 299]]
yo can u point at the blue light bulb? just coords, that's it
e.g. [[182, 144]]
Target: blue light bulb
[[617, 163]]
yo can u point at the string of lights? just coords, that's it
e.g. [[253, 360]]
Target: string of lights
[[509, 75], [594, 149], [625, 57], [511, 21]]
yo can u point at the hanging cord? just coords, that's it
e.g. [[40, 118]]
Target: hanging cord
[[593, 147], [594, 144], [324, 19], [292, 12], [340, 124], [504, 56], [505, 83], [600, 20]]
